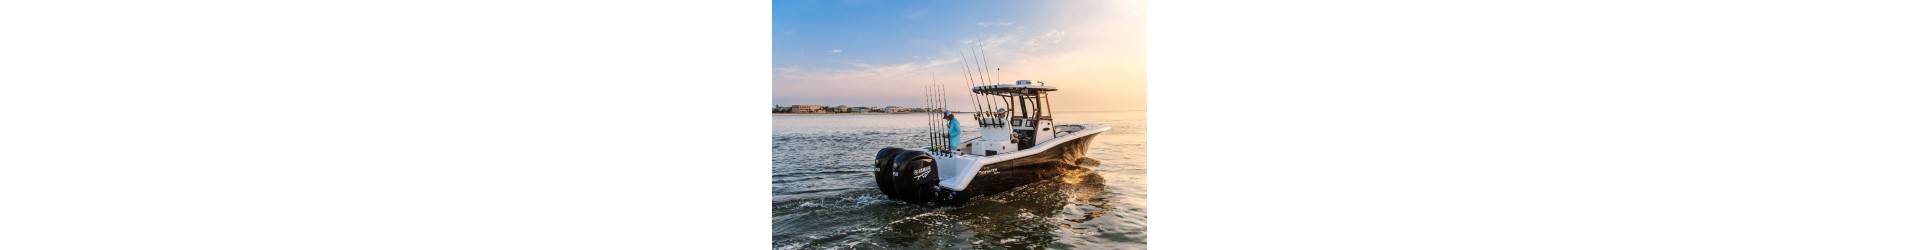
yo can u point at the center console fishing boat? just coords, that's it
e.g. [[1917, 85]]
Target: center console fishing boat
[[1017, 135]]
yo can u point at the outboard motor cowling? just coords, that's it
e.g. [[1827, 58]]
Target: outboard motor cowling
[[914, 176], [883, 170]]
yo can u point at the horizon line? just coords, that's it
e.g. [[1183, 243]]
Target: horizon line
[[824, 105]]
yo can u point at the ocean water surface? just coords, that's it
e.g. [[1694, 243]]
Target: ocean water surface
[[824, 196]]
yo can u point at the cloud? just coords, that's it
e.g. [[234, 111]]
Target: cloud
[[1051, 37], [789, 32], [989, 41], [860, 83], [1102, 64], [834, 51], [915, 14], [859, 71]]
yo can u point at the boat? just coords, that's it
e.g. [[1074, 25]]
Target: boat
[[1018, 144]]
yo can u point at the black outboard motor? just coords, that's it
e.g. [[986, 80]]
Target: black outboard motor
[[883, 170], [911, 176]]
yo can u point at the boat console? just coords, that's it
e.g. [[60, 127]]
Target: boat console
[[1022, 118]]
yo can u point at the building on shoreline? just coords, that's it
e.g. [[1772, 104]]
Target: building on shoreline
[[808, 109], [824, 109]]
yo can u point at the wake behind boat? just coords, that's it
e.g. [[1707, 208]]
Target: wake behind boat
[[1018, 139]]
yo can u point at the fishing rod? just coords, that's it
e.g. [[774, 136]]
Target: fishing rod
[[980, 63], [926, 101], [935, 97], [947, 135], [923, 116], [940, 98], [946, 130], [945, 124], [966, 66], [971, 95], [932, 127], [971, 77], [930, 116], [983, 57], [945, 142], [980, 49], [982, 66]]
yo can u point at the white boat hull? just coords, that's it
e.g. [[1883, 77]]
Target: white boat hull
[[956, 177]]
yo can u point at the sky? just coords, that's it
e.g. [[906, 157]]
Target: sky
[[881, 53]]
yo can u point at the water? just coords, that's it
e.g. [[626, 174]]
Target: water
[[824, 195]]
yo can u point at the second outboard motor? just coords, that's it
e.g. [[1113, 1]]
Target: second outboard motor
[[914, 176], [883, 170]]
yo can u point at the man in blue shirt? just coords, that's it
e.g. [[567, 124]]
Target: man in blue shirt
[[953, 132]]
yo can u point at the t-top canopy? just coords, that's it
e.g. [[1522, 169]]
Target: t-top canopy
[[1021, 89]]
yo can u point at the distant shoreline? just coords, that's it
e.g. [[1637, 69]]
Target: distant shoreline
[[909, 113], [847, 113]]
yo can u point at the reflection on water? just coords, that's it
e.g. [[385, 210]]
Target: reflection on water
[[1011, 219], [824, 196]]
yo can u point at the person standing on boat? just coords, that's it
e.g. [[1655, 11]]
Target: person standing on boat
[[953, 132]]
